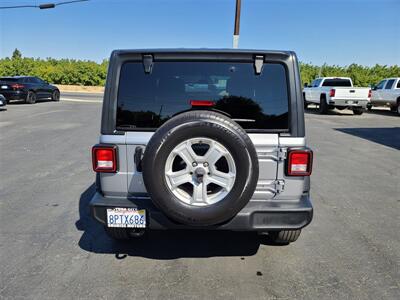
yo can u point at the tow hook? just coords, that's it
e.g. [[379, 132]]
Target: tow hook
[[136, 233]]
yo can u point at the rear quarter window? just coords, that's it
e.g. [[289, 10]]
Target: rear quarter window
[[10, 79], [256, 102], [389, 84]]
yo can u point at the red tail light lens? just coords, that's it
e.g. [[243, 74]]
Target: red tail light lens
[[299, 163], [104, 158], [332, 93], [369, 94], [201, 103], [17, 86]]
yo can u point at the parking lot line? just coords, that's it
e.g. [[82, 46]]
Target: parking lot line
[[81, 100]]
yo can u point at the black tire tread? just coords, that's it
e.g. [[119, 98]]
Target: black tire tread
[[323, 106], [358, 111], [55, 98], [28, 99]]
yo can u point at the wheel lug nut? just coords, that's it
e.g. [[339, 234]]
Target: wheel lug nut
[[205, 164], [194, 164]]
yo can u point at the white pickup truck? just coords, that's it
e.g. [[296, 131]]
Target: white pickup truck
[[387, 93], [336, 92]]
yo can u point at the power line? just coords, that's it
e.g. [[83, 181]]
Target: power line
[[43, 6], [19, 6], [69, 2]]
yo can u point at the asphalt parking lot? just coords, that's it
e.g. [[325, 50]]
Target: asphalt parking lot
[[51, 248]]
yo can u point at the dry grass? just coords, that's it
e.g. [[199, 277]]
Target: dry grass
[[80, 88]]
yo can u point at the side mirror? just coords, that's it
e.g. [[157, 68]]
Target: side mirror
[[305, 84]]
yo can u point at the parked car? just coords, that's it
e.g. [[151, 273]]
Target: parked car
[[387, 93], [210, 139], [336, 92], [27, 88], [3, 102]]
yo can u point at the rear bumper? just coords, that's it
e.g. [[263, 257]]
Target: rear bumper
[[255, 216], [383, 103], [349, 102], [14, 95]]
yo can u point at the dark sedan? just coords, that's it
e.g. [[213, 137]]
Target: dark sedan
[[27, 88]]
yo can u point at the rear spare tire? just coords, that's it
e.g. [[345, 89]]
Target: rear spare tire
[[200, 168]]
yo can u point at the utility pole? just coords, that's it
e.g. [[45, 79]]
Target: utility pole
[[43, 6], [237, 25]]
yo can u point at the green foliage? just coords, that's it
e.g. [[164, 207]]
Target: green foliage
[[58, 71], [361, 75], [83, 72], [16, 54]]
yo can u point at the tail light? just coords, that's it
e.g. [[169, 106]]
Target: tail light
[[369, 94], [201, 103], [332, 93], [17, 86], [104, 158], [299, 163]]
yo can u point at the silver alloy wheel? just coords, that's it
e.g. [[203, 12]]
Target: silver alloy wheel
[[207, 183]]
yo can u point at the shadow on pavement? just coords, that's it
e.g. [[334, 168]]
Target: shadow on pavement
[[333, 112], [389, 137], [22, 102], [382, 112], [164, 244]]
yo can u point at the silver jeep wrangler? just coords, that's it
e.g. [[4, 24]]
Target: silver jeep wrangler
[[203, 139]]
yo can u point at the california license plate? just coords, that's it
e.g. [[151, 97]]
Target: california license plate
[[126, 217]]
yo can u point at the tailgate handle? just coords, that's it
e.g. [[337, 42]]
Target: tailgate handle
[[138, 158], [352, 91]]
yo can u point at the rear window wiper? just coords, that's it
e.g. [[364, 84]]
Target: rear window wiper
[[126, 126]]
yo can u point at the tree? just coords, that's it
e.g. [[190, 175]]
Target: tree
[[16, 54]]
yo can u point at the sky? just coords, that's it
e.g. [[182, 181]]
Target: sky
[[339, 32]]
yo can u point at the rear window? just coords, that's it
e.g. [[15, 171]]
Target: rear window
[[398, 84], [146, 101], [337, 82], [10, 79]]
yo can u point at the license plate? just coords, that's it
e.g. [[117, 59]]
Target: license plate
[[4, 87], [126, 217], [350, 102]]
